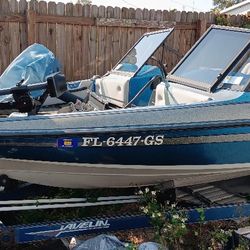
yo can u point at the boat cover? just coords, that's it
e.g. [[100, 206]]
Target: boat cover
[[33, 65]]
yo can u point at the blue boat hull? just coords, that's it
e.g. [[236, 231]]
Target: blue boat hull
[[218, 145]]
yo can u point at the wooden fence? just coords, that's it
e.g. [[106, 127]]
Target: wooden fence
[[89, 40]]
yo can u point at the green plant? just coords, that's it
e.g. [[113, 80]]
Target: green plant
[[201, 212], [222, 20], [168, 222], [243, 245], [200, 231], [246, 23], [219, 239], [131, 246]]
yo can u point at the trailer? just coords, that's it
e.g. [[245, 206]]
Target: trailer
[[216, 202]]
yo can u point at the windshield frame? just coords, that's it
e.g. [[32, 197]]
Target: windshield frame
[[209, 87], [228, 70], [169, 30]]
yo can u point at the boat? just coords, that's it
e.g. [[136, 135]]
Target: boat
[[138, 125]]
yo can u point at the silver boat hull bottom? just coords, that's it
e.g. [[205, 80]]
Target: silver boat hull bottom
[[82, 175]]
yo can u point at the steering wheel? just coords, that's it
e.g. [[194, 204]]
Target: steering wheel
[[161, 65]]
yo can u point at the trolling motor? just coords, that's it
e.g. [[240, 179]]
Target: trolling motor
[[55, 86]]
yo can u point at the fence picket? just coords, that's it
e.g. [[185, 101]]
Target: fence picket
[[60, 37], [115, 48], [77, 44], [69, 56], [23, 6], [85, 43], [93, 45], [4, 36], [14, 34], [52, 28], [41, 30]]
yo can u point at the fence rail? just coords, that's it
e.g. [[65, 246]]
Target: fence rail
[[89, 40]]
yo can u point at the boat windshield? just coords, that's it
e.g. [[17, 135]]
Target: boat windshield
[[203, 65], [138, 55], [239, 77]]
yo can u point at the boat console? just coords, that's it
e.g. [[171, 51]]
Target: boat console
[[120, 89], [167, 94], [133, 73]]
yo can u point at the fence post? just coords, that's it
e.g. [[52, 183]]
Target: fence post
[[201, 27], [31, 26]]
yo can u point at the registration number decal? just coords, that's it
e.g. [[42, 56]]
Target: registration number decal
[[150, 140], [67, 142], [123, 141]]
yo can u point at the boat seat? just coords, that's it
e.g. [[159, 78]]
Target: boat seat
[[114, 88], [176, 95], [161, 95]]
